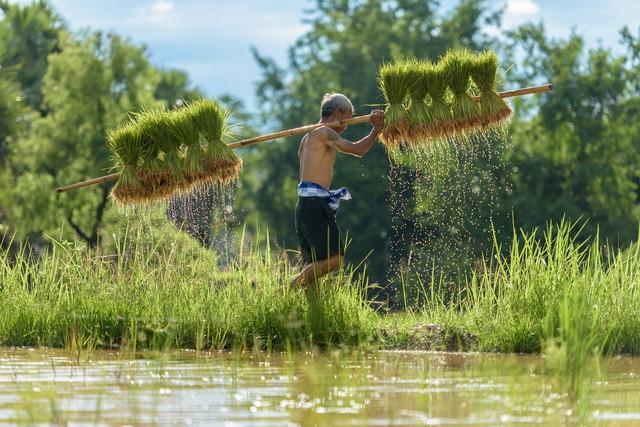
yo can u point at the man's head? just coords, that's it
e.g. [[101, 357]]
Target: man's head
[[336, 106]]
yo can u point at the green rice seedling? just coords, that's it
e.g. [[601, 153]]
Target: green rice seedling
[[161, 288], [156, 129], [159, 176], [126, 144], [184, 130], [484, 73], [419, 113], [394, 84], [219, 163], [435, 80], [466, 112], [210, 118]]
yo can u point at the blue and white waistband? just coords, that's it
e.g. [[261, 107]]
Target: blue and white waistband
[[311, 189]]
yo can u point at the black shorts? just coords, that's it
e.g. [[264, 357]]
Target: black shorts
[[318, 233]]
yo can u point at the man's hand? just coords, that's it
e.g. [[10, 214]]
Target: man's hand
[[377, 120]]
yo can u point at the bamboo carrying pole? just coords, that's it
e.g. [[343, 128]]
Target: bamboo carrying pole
[[302, 130]]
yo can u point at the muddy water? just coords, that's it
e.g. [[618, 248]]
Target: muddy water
[[43, 387]]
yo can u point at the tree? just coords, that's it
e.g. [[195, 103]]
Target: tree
[[28, 34], [576, 149], [88, 88]]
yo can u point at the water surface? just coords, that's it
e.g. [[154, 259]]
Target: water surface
[[334, 388]]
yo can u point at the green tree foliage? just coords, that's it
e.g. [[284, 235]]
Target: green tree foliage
[[11, 110], [346, 44], [28, 34], [88, 88], [576, 150], [175, 88], [81, 86]]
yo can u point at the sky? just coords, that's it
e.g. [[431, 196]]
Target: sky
[[211, 40]]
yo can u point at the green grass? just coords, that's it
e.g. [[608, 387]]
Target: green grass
[[555, 295], [557, 288], [154, 294]]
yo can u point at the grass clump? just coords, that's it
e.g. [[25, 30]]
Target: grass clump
[[484, 72], [125, 143], [160, 291], [556, 287], [219, 163], [466, 112]]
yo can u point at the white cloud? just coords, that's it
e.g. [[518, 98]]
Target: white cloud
[[522, 7], [162, 6]]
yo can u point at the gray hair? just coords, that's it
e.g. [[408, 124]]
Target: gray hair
[[332, 102]]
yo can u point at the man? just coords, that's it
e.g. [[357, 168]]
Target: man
[[320, 239]]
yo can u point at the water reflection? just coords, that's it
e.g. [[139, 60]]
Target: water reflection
[[379, 388]]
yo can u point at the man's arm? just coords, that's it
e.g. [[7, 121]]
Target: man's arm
[[361, 147]]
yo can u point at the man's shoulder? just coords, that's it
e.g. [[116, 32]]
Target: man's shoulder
[[322, 133]]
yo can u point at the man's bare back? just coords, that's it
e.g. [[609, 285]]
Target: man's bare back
[[317, 156]]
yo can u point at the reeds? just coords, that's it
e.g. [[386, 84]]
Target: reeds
[[164, 152], [427, 101]]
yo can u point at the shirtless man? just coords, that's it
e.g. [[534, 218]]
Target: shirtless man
[[320, 239]]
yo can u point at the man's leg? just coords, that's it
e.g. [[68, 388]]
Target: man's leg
[[313, 271]]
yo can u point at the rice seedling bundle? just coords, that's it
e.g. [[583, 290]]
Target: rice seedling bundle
[[441, 117], [420, 119], [484, 73], [439, 99], [395, 83], [159, 177], [125, 143], [219, 163], [466, 112], [162, 152]]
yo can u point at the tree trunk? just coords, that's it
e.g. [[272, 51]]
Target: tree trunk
[[93, 238]]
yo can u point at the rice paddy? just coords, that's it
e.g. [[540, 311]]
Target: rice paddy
[[428, 101], [155, 290], [152, 289]]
